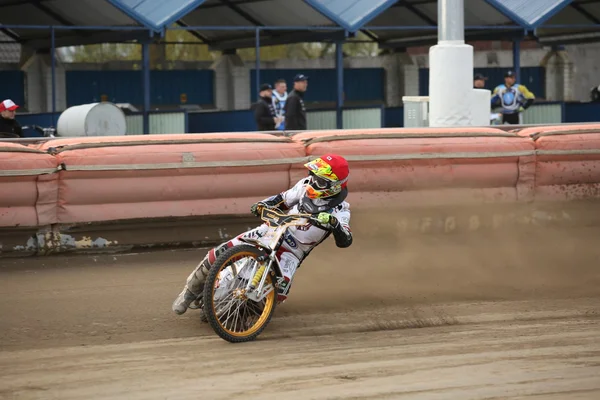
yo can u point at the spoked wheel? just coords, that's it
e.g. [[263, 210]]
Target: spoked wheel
[[231, 314]]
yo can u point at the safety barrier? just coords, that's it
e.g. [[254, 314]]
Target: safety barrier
[[424, 167], [28, 186], [78, 181], [567, 161]]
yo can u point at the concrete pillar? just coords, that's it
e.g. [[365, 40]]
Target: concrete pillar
[[35, 86], [559, 76], [568, 72], [402, 78], [554, 76], [61, 83], [232, 83]]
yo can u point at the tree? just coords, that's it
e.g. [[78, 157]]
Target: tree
[[192, 48], [98, 53]]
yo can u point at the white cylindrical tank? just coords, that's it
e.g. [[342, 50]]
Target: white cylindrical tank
[[95, 119], [481, 107]]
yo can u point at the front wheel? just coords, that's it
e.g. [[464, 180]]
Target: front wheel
[[233, 316]]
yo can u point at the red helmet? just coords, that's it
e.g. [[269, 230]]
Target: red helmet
[[329, 175]]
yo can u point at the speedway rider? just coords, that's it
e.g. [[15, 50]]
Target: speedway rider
[[322, 193]]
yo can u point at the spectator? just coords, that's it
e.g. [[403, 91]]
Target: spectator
[[264, 112], [513, 98], [8, 124], [295, 111], [479, 81], [595, 94], [279, 98]]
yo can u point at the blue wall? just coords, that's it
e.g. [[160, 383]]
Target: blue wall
[[13, 86], [221, 121], [532, 77], [362, 84], [582, 112], [126, 87], [394, 117]]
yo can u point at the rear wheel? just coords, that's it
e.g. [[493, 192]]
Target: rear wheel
[[229, 312]]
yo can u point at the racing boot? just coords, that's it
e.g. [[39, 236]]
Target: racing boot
[[193, 288], [183, 301]]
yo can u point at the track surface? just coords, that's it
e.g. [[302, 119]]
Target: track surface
[[442, 318]]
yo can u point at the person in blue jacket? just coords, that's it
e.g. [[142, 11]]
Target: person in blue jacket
[[513, 98], [279, 99]]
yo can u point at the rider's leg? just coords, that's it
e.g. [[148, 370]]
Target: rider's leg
[[195, 281], [289, 263]]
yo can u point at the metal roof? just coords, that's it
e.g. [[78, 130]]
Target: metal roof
[[156, 14], [10, 53], [239, 17], [351, 15], [65, 13], [425, 13], [581, 15], [289, 13], [529, 13]]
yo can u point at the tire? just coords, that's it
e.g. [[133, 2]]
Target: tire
[[220, 263]]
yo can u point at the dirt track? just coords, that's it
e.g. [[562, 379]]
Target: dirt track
[[511, 317]]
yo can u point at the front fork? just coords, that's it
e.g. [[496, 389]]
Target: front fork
[[256, 289]]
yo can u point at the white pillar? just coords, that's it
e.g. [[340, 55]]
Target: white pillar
[[450, 69]]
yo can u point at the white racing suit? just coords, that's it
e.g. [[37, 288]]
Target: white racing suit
[[299, 240]]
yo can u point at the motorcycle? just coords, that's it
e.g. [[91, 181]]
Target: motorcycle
[[241, 289], [44, 132]]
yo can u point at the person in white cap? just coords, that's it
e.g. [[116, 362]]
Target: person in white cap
[[8, 124]]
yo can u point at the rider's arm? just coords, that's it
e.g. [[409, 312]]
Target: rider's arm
[[276, 201], [340, 226], [286, 200]]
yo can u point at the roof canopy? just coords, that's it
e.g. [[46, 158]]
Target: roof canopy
[[529, 14], [392, 23]]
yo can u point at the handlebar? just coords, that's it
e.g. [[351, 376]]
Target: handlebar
[[271, 215]]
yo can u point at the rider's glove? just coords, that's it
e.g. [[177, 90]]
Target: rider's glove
[[326, 218], [256, 208]]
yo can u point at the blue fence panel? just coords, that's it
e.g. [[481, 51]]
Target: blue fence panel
[[13, 86], [582, 112], [394, 117], [363, 84], [85, 87], [221, 121], [532, 77], [166, 87]]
